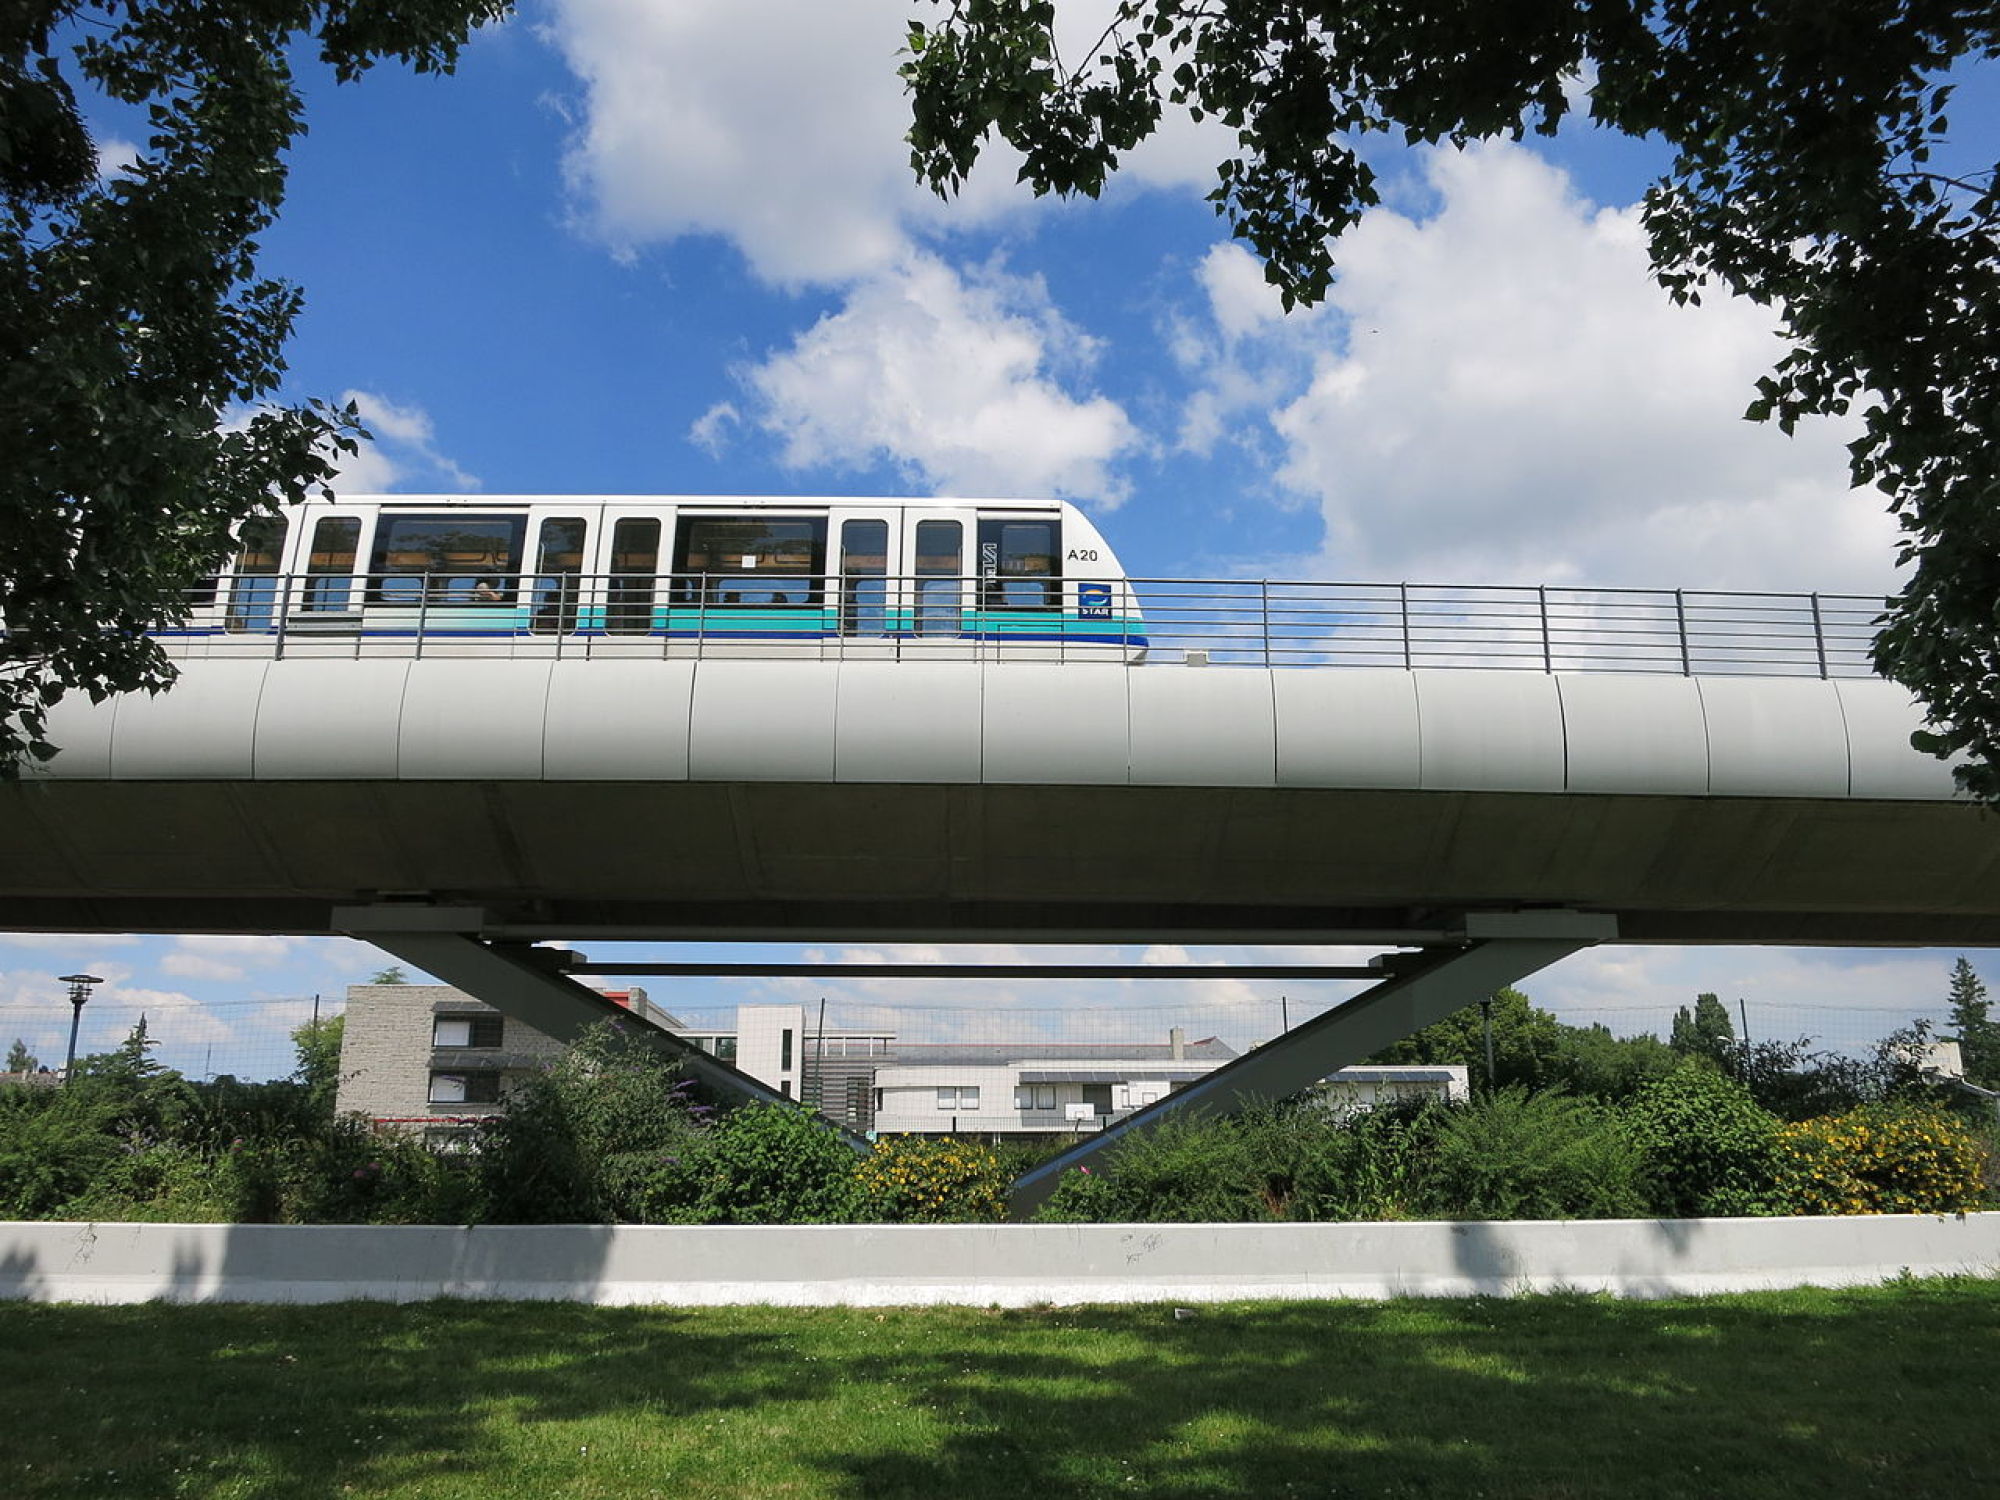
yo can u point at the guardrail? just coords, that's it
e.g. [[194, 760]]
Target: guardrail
[[1257, 623]]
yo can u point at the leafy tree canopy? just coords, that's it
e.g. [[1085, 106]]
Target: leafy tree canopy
[[1803, 177], [138, 340]]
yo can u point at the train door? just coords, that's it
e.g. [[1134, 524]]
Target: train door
[[935, 617], [553, 588], [623, 608], [257, 587], [324, 617], [865, 563], [1019, 566]]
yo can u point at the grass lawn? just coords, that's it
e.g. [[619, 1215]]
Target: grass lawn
[[1888, 1390]]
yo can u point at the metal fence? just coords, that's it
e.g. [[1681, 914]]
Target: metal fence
[[1201, 621]]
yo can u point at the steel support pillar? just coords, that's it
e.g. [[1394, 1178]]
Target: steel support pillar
[[523, 984], [1500, 949]]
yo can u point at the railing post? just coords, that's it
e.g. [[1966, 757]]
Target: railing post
[[423, 614], [1403, 596], [284, 612], [1819, 636], [1542, 603], [1264, 601], [1681, 624]]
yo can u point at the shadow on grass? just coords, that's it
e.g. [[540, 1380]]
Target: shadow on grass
[[1804, 1393]]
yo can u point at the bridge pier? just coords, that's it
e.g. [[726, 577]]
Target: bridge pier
[[1500, 948], [527, 984]]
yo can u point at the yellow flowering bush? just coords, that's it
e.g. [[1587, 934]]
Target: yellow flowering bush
[[918, 1180], [1879, 1159]]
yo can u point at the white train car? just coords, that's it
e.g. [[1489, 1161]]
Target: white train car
[[678, 575]]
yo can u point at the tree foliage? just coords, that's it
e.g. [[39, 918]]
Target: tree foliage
[[139, 342], [1972, 1024], [1811, 173]]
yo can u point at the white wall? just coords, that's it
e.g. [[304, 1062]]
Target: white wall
[[1011, 1265]]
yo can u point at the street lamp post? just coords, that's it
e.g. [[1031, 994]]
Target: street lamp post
[[80, 986]]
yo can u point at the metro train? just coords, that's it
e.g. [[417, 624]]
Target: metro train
[[678, 573]]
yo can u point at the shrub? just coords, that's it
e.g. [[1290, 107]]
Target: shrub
[[1706, 1146], [54, 1143], [1081, 1196], [1891, 1158], [587, 1140], [913, 1180], [1373, 1164], [1517, 1155], [772, 1164]]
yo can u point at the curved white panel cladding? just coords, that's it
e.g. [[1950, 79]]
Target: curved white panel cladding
[[328, 720], [1490, 731], [1880, 717], [472, 720], [1350, 728], [763, 721], [1634, 734], [1774, 737], [1203, 727], [967, 723], [618, 720], [201, 729], [82, 732], [908, 722], [1059, 724]]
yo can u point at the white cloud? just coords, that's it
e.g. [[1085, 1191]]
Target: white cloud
[[1500, 392], [70, 942], [115, 156], [953, 378], [223, 957], [778, 125], [403, 454]]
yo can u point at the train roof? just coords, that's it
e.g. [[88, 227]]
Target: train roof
[[733, 502]]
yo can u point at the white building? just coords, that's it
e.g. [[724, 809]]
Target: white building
[[1046, 1088]]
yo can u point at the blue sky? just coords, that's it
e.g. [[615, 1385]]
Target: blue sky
[[675, 249]]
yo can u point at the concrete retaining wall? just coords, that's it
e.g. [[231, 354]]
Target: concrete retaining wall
[[1007, 1265]]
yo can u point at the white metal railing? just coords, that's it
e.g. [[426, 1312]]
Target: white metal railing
[[1206, 621]]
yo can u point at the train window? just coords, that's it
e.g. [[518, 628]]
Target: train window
[[469, 559], [864, 586], [750, 560], [253, 598], [558, 572], [1019, 564], [940, 562], [330, 564], [635, 564]]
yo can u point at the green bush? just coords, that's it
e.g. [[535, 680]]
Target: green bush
[[591, 1139], [1517, 1155], [54, 1143], [1707, 1148], [774, 1164], [918, 1180], [1372, 1164]]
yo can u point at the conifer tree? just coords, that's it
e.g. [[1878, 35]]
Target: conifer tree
[[1977, 1033]]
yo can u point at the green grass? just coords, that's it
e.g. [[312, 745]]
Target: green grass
[[1888, 1390]]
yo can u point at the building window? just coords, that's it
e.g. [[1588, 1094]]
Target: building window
[[468, 1031], [965, 1100], [465, 1088], [785, 1050], [1035, 1096]]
